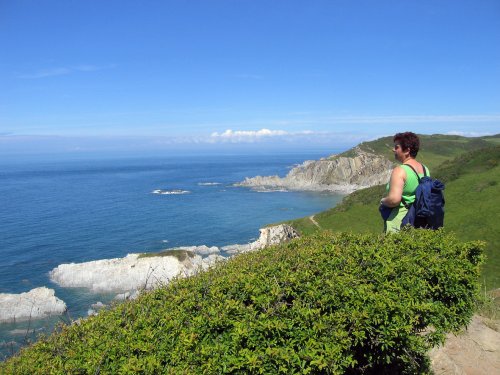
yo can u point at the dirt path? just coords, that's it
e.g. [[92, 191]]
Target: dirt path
[[314, 221], [473, 352]]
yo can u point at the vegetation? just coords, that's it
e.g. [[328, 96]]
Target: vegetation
[[326, 303], [472, 203], [180, 254], [434, 149]]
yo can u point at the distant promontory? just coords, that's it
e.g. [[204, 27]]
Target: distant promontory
[[343, 173]]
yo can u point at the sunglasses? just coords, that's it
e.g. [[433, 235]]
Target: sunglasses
[[396, 146]]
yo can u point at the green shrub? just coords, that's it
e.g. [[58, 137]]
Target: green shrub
[[327, 303]]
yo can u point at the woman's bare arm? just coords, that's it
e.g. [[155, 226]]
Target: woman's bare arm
[[393, 198]]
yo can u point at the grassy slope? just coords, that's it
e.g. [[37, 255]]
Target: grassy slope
[[435, 149], [472, 196], [473, 206]]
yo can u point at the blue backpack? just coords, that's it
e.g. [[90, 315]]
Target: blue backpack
[[428, 209]]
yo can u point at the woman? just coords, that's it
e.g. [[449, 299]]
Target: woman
[[404, 182]]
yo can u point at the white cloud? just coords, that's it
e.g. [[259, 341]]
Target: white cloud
[[44, 73], [232, 134], [250, 136]]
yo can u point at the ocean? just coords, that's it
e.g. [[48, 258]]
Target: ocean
[[55, 212]]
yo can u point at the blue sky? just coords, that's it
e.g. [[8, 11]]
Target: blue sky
[[107, 75]]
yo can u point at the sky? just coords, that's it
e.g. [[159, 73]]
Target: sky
[[152, 76]]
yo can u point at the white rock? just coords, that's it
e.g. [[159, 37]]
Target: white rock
[[122, 296], [127, 295], [35, 304], [274, 235], [131, 274], [268, 236], [236, 249], [121, 274], [201, 250], [211, 260], [98, 305]]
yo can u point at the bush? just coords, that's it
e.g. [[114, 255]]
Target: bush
[[328, 303]]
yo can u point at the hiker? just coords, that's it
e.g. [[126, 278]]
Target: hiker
[[403, 183]]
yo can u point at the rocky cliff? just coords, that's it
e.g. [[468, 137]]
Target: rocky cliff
[[337, 173]]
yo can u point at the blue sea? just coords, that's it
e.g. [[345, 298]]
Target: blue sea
[[55, 212]]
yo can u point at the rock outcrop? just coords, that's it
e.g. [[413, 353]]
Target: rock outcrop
[[268, 236], [337, 173], [35, 304], [132, 273]]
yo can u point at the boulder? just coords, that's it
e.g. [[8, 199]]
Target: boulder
[[35, 304]]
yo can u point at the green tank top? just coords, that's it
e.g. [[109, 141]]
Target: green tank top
[[410, 185]]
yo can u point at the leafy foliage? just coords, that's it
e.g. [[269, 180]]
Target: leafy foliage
[[327, 303]]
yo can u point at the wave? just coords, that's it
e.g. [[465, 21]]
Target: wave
[[270, 190], [170, 192], [209, 183]]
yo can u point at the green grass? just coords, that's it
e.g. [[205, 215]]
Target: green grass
[[472, 211], [436, 148], [180, 254], [472, 205]]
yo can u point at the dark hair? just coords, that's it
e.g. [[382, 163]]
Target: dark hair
[[408, 140]]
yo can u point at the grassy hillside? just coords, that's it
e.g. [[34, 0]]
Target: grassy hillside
[[472, 201], [435, 149]]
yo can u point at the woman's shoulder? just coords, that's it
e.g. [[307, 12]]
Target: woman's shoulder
[[399, 171], [416, 166]]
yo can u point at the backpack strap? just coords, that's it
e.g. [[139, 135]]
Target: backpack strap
[[424, 168], [407, 206]]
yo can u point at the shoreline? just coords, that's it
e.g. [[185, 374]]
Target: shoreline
[[136, 272], [128, 276]]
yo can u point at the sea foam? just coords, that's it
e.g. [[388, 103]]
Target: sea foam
[[170, 192]]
